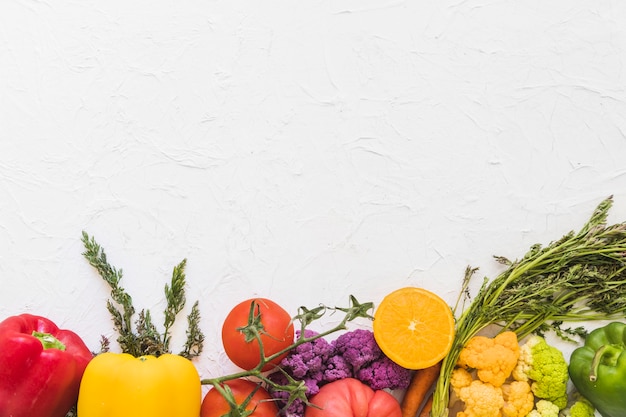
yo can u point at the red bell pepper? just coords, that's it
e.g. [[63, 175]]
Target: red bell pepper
[[40, 367]]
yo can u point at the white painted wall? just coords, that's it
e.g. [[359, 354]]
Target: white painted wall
[[301, 151]]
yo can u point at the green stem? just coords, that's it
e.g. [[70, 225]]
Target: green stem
[[599, 358], [48, 341]]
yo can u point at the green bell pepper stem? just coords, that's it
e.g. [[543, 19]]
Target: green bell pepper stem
[[600, 357]]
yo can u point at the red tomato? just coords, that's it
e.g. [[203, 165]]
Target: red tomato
[[214, 404], [277, 335], [350, 397]]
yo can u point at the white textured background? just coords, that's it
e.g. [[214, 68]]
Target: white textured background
[[301, 151]]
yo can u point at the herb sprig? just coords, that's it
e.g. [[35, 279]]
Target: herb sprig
[[580, 277], [141, 336]]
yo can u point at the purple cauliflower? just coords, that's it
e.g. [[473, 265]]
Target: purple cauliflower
[[353, 354], [307, 361], [384, 373], [368, 363], [358, 348], [337, 368]]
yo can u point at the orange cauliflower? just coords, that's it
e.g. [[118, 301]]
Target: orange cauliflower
[[514, 399], [493, 358], [481, 400], [518, 399], [460, 378]]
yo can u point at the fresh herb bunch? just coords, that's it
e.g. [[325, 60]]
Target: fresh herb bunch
[[141, 336], [580, 277], [295, 388]]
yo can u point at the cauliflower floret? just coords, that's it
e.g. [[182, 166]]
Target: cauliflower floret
[[356, 354], [384, 374], [518, 399], [337, 368], [545, 368], [544, 408], [358, 348], [580, 407], [307, 360], [481, 400], [460, 378], [493, 358], [305, 363]]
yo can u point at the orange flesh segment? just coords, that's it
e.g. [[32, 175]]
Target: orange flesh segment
[[414, 327]]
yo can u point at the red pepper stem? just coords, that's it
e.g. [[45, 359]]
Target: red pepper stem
[[48, 341]]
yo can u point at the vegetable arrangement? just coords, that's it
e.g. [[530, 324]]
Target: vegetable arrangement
[[580, 277], [435, 356], [354, 355], [257, 334], [302, 369], [510, 380]]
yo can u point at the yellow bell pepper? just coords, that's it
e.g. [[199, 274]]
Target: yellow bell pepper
[[121, 385]]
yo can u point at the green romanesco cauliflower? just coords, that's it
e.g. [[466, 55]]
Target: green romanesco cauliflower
[[545, 368], [544, 408], [581, 407]]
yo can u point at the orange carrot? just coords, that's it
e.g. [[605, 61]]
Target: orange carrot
[[427, 406], [420, 387]]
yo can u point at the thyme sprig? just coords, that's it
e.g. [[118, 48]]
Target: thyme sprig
[[580, 277], [195, 338], [141, 336], [254, 330]]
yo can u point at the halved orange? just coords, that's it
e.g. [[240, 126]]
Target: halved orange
[[414, 327]]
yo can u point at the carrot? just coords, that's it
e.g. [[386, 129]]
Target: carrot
[[427, 406], [418, 390]]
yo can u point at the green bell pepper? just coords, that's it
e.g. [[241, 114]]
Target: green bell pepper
[[598, 369]]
